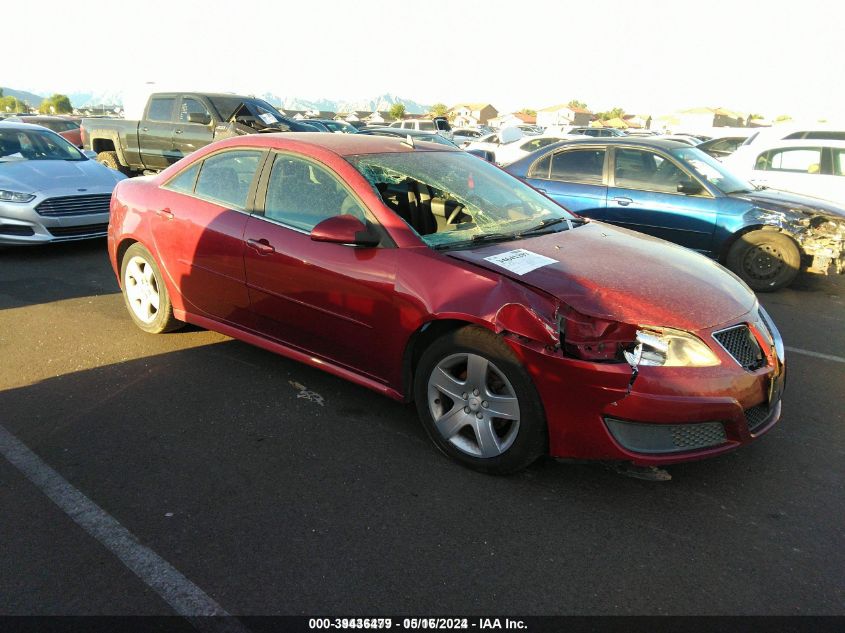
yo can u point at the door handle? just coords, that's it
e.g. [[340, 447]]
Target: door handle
[[623, 201], [178, 131], [145, 129], [262, 246], [541, 189], [167, 214]]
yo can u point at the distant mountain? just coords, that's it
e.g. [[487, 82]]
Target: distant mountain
[[32, 99], [382, 102], [84, 99]]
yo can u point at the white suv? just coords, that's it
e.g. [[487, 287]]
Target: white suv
[[438, 125]]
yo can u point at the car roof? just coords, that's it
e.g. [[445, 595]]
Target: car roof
[[400, 131], [637, 141], [20, 125], [340, 144], [795, 142]]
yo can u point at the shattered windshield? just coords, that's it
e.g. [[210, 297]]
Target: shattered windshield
[[712, 170], [449, 198]]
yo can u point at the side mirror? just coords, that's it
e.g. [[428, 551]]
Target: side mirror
[[483, 154], [344, 229], [89, 154], [689, 187], [199, 117]]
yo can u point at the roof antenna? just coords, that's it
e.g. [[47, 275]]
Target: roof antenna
[[409, 141]]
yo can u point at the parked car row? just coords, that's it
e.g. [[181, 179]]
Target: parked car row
[[678, 193]]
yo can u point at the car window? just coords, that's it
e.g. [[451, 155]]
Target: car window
[[190, 106], [799, 159], [226, 177], [161, 109], [581, 165], [540, 169], [642, 169], [302, 194], [829, 135], [427, 126], [839, 162], [184, 182]]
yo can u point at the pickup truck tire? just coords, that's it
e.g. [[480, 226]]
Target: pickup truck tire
[[110, 160], [765, 260]]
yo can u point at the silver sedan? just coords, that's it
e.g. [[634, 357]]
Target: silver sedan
[[49, 190]]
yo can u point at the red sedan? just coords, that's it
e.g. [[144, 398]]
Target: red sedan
[[427, 274]]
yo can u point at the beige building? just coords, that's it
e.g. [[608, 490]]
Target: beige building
[[471, 114], [563, 115]]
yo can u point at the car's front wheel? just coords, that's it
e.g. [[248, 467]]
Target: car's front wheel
[[145, 293], [765, 260], [478, 404]]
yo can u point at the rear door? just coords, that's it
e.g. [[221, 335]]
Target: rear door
[[643, 195], [189, 137], [198, 230], [329, 300], [155, 132], [574, 178]]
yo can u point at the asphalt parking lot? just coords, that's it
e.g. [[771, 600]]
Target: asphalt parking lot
[[277, 489]]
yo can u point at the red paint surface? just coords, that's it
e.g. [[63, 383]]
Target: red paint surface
[[355, 311]]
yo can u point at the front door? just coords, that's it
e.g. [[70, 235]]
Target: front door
[[189, 137], [643, 195], [330, 300]]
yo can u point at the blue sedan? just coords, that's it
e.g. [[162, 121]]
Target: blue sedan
[[679, 193]]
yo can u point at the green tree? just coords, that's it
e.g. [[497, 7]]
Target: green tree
[[56, 104], [576, 104], [783, 117], [528, 111], [439, 109], [615, 113], [12, 104], [397, 111]]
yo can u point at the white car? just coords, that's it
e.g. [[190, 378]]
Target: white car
[[820, 131], [509, 145], [809, 167]]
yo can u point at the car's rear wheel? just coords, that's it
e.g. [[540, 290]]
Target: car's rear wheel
[[111, 160], [145, 293], [765, 260], [478, 404]]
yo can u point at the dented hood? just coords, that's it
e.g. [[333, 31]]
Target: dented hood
[[785, 200], [614, 273]]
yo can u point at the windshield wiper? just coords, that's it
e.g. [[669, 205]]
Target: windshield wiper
[[478, 239]]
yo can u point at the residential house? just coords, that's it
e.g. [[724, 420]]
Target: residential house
[[471, 114], [512, 119], [563, 115], [703, 119]]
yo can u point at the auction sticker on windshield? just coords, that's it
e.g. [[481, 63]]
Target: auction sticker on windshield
[[268, 118], [520, 261]]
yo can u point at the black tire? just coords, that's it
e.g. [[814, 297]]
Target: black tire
[[160, 319], [110, 160], [765, 260], [519, 445]]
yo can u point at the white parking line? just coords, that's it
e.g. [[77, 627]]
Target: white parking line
[[185, 597], [835, 359]]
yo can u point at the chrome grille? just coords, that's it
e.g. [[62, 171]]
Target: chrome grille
[[756, 416], [74, 205], [690, 436], [740, 343]]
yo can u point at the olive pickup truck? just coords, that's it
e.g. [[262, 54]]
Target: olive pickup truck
[[176, 124]]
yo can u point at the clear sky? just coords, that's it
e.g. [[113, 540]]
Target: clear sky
[[647, 56]]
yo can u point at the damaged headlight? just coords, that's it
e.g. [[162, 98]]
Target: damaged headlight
[[665, 347]]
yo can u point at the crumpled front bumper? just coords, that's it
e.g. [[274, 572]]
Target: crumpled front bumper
[[669, 414]]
